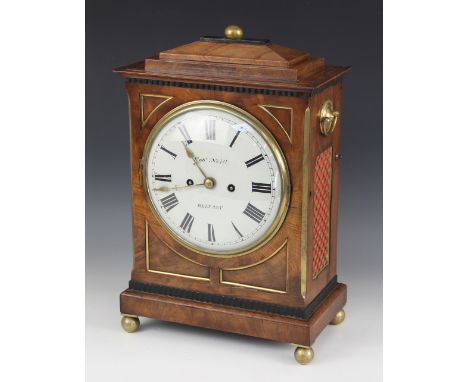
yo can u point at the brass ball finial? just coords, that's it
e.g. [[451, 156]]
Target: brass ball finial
[[233, 32]]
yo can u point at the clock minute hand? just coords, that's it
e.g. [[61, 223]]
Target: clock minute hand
[[191, 156]]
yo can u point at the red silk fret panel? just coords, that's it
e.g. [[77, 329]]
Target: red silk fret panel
[[321, 211]]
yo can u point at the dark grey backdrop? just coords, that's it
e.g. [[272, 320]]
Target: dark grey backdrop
[[120, 32]]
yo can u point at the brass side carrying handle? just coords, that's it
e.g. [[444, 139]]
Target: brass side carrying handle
[[328, 118]]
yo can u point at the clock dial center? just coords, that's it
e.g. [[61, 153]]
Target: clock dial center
[[209, 183]]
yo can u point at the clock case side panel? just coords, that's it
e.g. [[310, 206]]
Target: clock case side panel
[[134, 125], [145, 222], [319, 145]]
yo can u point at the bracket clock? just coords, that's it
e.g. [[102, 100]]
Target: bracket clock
[[235, 148]]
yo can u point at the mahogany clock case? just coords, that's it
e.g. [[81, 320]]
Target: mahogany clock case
[[294, 272], [118, 163]]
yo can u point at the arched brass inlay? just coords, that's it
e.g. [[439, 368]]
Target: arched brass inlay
[[266, 107], [142, 96], [255, 264], [148, 269]]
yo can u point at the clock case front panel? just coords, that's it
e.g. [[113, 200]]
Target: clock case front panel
[[281, 272]]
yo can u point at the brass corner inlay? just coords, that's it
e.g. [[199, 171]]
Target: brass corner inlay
[[325, 266], [305, 201], [255, 264], [288, 134], [142, 96], [148, 269]]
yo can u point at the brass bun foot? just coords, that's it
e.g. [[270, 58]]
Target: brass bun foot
[[304, 355], [339, 318], [130, 324]]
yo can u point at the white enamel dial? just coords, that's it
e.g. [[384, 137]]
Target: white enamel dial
[[216, 178]]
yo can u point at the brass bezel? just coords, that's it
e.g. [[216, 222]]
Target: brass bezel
[[269, 139]]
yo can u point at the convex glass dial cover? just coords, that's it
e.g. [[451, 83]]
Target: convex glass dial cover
[[216, 178]]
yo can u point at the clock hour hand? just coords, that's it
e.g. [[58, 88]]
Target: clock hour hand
[[175, 188]]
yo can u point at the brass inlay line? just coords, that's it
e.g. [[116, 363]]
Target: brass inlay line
[[252, 286], [143, 121], [253, 265], [305, 200], [180, 275], [148, 269], [264, 107]]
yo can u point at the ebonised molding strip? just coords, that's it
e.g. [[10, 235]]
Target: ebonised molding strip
[[234, 89], [236, 302]]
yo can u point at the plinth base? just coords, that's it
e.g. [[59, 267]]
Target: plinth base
[[234, 320]]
